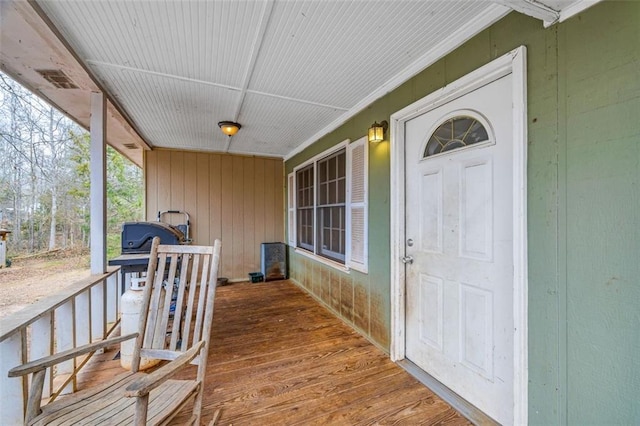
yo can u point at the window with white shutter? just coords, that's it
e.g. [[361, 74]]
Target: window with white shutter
[[330, 207], [357, 211], [291, 216], [305, 208], [327, 206]]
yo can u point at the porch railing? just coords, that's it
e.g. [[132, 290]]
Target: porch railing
[[84, 312]]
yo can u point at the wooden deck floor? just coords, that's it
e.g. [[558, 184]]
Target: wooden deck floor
[[277, 357]]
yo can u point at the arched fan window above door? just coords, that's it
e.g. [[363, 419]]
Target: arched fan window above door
[[455, 133]]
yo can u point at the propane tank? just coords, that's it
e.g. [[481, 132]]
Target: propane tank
[[130, 306]]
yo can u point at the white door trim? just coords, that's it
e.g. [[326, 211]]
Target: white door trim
[[513, 63]]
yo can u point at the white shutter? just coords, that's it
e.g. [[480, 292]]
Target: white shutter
[[291, 204], [357, 210]]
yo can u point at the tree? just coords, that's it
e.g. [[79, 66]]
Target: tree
[[44, 178], [125, 193]]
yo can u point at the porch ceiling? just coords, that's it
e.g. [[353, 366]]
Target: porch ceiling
[[288, 71]]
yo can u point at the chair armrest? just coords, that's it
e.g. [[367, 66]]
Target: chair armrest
[[146, 384], [48, 361]]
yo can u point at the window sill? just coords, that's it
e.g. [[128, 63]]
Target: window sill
[[323, 260]]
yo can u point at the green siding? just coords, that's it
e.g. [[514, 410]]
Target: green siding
[[601, 70], [583, 210]]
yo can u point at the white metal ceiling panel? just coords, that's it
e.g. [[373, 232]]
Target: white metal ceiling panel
[[286, 70], [275, 126], [173, 113], [290, 71], [334, 52], [203, 40]]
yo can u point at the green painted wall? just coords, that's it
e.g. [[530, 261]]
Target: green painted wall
[[583, 209], [599, 92], [362, 300]]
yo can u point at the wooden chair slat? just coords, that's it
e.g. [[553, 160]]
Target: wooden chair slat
[[109, 409], [160, 333], [156, 283], [193, 286], [197, 331], [55, 413], [167, 402], [193, 289], [163, 354], [176, 327]]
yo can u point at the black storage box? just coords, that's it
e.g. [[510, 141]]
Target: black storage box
[[256, 277]]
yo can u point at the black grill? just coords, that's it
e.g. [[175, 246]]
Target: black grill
[[137, 236]]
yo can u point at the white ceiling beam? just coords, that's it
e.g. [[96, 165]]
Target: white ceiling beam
[[243, 90], [533, 8], [100, 64], [298, 100], [251, 66]]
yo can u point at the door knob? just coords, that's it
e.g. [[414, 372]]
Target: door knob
[[407, 260]]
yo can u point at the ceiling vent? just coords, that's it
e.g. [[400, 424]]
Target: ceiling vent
[[130, 146], [58, 78]]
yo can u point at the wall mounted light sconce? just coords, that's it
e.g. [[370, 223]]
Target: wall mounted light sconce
[[229, 128], [377, 131]]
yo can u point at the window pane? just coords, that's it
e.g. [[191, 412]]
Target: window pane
[[304, 224], [322, 193], [336, 217], [322, 172], [305, 187], [332, 168], [342, 197], [457, 132], [326, 235], [329, 206], [331, 242]]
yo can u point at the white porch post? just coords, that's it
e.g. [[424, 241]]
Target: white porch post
[[98, 167], [98, 170]]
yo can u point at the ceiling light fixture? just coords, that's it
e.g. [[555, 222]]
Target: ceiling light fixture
[[229, 128], [377, 131]]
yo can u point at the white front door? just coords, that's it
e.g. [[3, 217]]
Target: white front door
[[459, 315]]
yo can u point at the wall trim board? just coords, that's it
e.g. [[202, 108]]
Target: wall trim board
[[513, 63]]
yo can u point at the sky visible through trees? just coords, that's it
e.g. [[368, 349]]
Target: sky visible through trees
[[44, 178]]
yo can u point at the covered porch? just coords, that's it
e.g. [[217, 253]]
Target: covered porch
[[306, 80], [279, 357]]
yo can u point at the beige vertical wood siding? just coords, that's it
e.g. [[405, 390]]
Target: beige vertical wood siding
[[235, 198]]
